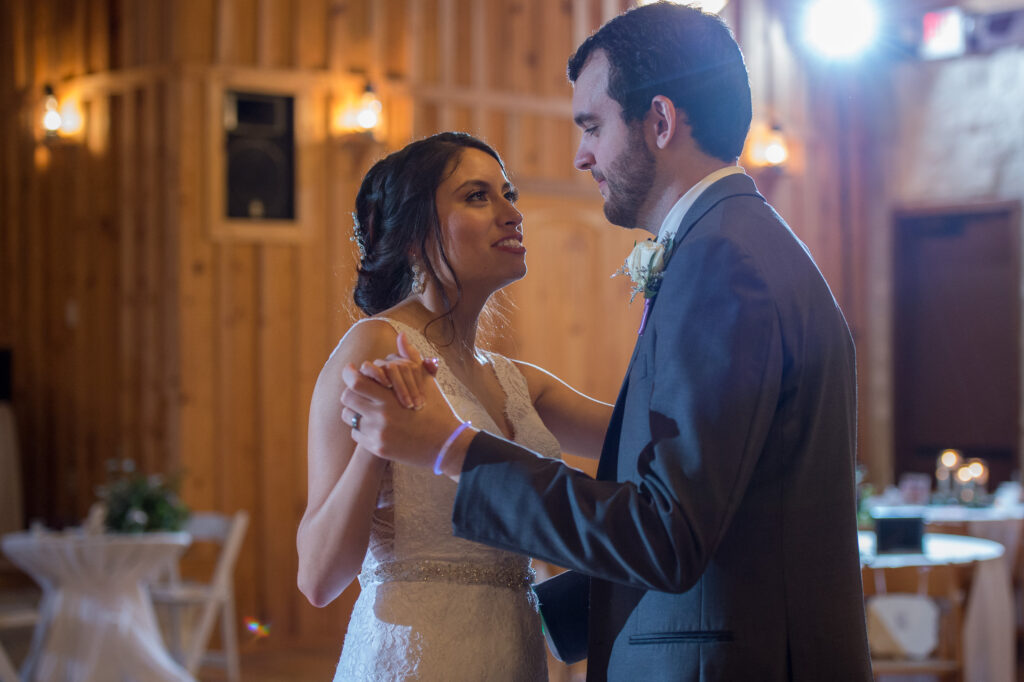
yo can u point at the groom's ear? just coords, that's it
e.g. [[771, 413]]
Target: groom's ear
[[665, 120]]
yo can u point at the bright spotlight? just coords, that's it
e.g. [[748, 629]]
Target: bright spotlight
[[840, 29]]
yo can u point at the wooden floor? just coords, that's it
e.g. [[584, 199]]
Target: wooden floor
[[318, 666], [282, 666], [299, 665]]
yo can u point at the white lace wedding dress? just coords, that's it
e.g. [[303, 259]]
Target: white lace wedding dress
[[433, 606]]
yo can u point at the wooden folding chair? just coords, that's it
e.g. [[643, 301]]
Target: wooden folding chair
[[942, 585], [210, 600]]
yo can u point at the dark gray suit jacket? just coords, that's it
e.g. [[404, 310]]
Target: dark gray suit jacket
[[719, 541]]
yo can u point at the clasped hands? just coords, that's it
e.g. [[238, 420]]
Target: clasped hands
[[398, 412]]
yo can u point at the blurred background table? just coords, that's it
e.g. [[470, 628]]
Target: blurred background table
[[1003, 524], [97, 621], [988, 625]]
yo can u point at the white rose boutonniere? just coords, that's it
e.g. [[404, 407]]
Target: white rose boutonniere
[[645, 266]]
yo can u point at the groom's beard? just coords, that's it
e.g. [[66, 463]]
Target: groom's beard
[[630, 178]]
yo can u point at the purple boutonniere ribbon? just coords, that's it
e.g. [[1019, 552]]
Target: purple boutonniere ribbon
[[645, 266], [643, 320]]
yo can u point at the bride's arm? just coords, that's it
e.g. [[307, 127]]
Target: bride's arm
[[343, 478], [577, 420]]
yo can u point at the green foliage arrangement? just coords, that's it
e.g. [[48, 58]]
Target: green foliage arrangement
[[137, 503]]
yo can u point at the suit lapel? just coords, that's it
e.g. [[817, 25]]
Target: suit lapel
[[727, 187]]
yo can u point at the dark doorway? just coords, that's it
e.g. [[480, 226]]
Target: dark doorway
[[956, 361]]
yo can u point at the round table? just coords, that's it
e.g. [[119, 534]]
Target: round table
[[1004, 524], [988, 627], [97, 621]]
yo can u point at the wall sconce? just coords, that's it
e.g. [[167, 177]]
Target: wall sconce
[[768, 147], [51, 116], [60, 119], [358, 115]]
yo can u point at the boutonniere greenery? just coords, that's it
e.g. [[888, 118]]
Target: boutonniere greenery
[[645, 267]]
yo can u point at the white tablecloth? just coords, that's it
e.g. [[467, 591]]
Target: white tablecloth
[[989, 634], [97, 619], [1004, 524]]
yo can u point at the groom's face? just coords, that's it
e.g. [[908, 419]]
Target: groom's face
[[614, 152]]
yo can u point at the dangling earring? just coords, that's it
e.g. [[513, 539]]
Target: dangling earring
[[419, 279]]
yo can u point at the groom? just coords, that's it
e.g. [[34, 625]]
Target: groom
[[718, 541]]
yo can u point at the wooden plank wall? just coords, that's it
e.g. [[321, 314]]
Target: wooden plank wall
[[144, 325]]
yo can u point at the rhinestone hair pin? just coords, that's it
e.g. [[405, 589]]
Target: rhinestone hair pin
[[357, 237]]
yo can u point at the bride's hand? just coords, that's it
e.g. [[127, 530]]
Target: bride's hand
[[404, 373]]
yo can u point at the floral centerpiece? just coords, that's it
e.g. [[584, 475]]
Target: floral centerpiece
[[137, 503]]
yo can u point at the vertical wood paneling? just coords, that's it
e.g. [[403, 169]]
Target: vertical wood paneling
[[19, 45], [337, 34], [275, 357], [236, 404], [197, 319], [195, 23], [313, 322], [97, 38], [395, 40], [152, 228], [9, 176], [125, 119], [430, 55], [275, 33], [84, 407], [310, 34], [98, 309]]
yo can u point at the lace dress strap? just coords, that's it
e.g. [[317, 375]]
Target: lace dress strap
[[513, 383]]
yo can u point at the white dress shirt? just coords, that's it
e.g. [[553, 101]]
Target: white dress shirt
[[675, 215]]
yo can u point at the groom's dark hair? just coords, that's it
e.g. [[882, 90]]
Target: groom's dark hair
[[681, 53]]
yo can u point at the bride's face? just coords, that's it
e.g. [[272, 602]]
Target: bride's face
[[481, 229]]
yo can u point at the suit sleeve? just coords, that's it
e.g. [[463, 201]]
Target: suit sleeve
[[716, 368]]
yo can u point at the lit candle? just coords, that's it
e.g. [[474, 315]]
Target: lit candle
[[947, 463], [964, 484], [979, 472]]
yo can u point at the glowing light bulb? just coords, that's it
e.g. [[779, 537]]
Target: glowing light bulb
[[52, 121], [949, 458], [768, 146], [51, 117], [358, 115], [775, 152]]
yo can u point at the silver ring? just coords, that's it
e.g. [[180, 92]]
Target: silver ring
[[354, 421]]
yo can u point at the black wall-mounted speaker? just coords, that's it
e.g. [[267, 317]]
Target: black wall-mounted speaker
[[260, 153], [6, 386]]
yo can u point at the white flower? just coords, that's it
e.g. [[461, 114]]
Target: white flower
[[644, 266]]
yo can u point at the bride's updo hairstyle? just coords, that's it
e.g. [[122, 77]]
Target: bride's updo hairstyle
[[396, 215]]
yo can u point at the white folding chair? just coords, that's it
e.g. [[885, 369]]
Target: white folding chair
[[940, 584], [14, 617], [212, 599]]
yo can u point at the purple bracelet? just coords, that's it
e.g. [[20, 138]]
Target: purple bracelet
[[447, 444]]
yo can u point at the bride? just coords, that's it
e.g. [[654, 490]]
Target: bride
[[439, 233]]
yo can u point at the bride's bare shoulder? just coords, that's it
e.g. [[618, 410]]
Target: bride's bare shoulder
[[367, 339]]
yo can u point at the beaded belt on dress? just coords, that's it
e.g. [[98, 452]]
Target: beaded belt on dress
[[514, 576]]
